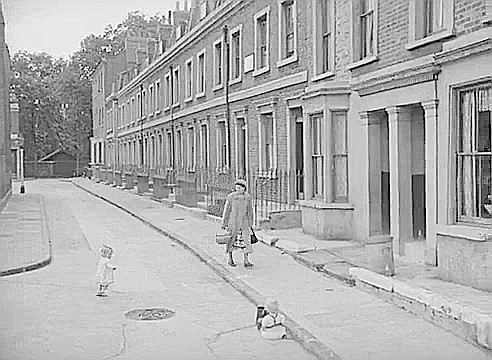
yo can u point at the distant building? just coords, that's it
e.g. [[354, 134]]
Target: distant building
[[5, 155], [380, 108]]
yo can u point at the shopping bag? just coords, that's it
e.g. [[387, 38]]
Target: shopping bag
[[222, 238], [253, 237]]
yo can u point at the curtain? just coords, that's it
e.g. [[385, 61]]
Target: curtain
[[467, 119]]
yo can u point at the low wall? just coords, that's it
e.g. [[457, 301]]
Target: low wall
[[142, 183], [327, 221], [129, 180], [161, 189], [285, 219], [118, 178], [465, 261]]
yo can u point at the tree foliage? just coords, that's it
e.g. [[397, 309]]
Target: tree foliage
[[55, 95]]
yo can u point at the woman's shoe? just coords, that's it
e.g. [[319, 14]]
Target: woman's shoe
[[232, 263], [247, 264]]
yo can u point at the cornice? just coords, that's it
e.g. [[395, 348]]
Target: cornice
[[402, 78], [327, 89], [462, 52]]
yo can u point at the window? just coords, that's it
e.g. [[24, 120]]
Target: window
[[151, 99], [340, 156], [287, 32], [262, 40], [176, 86], [189, 80], [133, 113], [218, 64], [429, 20], [473, 154], [236, 55], [364, 31], [200, 76], [128, 112], [167, 91], [324, 30], [179, 149], [169, 152], [191, 146], [267, 142], [222, 148], [138, 110], [317, 158], [204, 145], [158, 96]]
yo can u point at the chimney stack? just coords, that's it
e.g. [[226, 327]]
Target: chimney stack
[[185, 5], [177, 6]]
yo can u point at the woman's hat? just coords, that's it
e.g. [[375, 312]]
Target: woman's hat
[[241, 182]]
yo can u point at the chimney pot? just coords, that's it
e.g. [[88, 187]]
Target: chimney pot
[[177, 5]]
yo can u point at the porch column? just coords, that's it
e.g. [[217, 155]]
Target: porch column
[[400, 163], [308, 170], [430, 118], [93, 160], [373, 171]]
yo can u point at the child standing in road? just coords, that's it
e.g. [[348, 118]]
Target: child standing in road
[[105, 271]]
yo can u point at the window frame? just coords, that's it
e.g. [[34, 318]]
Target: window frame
[[267, 158], [216, 85], [222, 163], [203, 76], [285, 60], [151, 101], [176, 91], [191, 148], [189, 69], [317, 74], [237, 30], [158, 96], [167, 91], [315, 155], [456, 198], [261, 70], [415, 13], [334, 154], [356, 37]]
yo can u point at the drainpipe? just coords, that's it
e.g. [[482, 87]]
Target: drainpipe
[[171, 102], [226, 93]]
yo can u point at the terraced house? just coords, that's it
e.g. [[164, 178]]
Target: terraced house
[[367, 117]]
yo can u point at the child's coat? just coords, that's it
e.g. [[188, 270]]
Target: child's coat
[[104, 274]]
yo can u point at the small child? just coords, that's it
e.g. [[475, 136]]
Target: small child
[[272, 323], [105, 271]]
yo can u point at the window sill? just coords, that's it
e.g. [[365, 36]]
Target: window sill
[[487, 21], [320, 204], [131, 124], [261, 71], [167, 108], [218, 87], [322, 76], [365, 61], [188, 99], [291, 59], [414, 44], [151, 115], [235, 81], [200, 95], [175, 106], [468, 232], [157, 112]]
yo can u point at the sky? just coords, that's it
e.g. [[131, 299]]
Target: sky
[[58, 26]]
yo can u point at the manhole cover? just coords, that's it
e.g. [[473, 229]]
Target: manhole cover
[[150, 314]]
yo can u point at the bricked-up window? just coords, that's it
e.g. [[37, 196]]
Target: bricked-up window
[[158, 95], [287, 32], [236, 54], [218, 63], [204, 145], [324, 31], [262, 40], [222, 147], [176, 86], [340, 156], [189, 80], [317, 157], [167, 91], [200, 80], [191, 149], [268, 156], [429, 20], [473, 155]]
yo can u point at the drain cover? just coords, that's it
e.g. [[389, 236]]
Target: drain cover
[[150, 314]]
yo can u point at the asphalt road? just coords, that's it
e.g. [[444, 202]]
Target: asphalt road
[[53, 313]]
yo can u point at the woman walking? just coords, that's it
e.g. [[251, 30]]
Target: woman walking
[[238, 219]]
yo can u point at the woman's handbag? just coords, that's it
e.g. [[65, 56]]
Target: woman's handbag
[[253, 237], [223, 238]]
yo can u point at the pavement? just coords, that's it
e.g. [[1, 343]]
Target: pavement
[[24, 238], [331, 319]]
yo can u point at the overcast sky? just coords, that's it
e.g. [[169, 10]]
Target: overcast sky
[[58, 26]]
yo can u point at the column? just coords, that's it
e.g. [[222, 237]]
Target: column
[[400, 162], [372, 145], [430, 118], [92, 151], [308, 170]]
